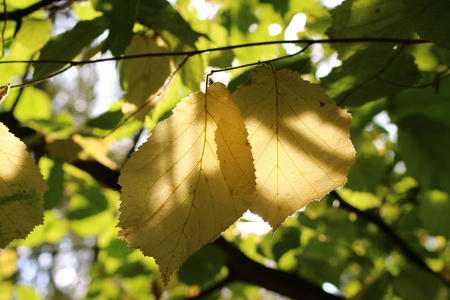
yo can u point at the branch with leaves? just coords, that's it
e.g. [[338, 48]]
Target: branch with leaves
[[269, 144]]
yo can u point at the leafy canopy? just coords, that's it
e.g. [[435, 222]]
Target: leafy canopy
[[177, 168]]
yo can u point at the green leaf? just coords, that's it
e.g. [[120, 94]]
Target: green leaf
[[203, 267], [366, 19], [434, 209], [145, 76], [122, 20], [416, 284], [371, 74], [34, 104], [108, 120], [412, 102], [86, 200], [274, 246], [193, 71], [162, 17], [366, 173], [280, 6], [67, 45], [430, 19], [319, 262], [34, 33], [54, 175], [423, 145], [360, 200], [118, 249], [376, 290]]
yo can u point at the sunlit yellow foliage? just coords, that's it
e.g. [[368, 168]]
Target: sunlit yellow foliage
[[189, 182], [22, 189], [300, 141], [145, 76]]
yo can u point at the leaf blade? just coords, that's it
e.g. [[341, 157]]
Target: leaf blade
[[299, 140], [183, 198], [22, 190]]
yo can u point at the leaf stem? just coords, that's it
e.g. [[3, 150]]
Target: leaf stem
[[5, 11]]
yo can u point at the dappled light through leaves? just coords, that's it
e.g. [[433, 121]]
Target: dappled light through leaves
[[176, 194], [300, 142]]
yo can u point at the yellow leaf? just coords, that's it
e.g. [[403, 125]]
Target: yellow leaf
[[4, 91], [22, 189], [145, 76], [179, 191], [300, 141], [79, 147]]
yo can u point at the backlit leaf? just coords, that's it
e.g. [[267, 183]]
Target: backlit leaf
[[163, 18], [4, 90], [21, 189], [181, 191], [430, 18], [79, 147], [68, 45], [300, 142], [354, 84], [145, 76], [123, 16], [366, 19]]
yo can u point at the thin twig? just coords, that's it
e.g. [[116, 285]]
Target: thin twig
[[381, 71], [231, 47], [258, 63], [434, 82], [196, 52], [136, 139], [41, 79], [157, 95], [19, 94], [17, 15], [5, 10]]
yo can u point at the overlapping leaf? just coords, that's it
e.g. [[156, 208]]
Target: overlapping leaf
[[191, 180], [430, 18], [21, 189], [68, 45], [300, 142], [366, 19], [145, 76], [355, 83]]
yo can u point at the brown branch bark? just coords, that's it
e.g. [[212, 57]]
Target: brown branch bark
[[244, 269]]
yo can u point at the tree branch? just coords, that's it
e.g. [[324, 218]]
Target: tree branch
[[390, 234], [18, 14], [289, 284], [231, 47], [188, 54], [240, 266]]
